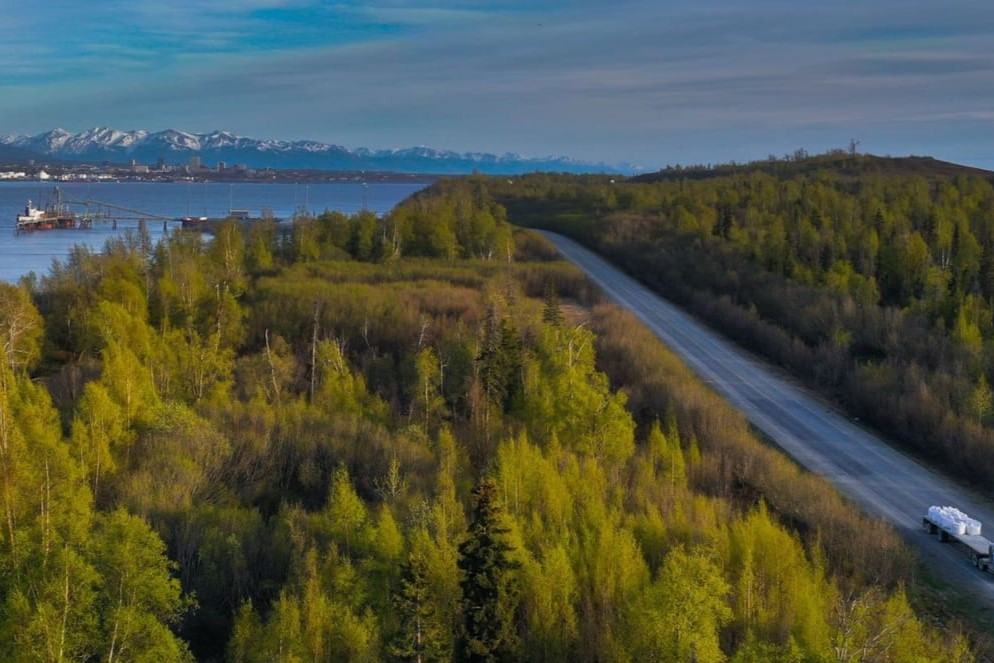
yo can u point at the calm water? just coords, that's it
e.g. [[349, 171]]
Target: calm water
[[27, 252]]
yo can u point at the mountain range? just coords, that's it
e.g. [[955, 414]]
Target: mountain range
[[176, 147]]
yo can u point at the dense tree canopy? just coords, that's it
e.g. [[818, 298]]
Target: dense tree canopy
[[873, 283], [400, 438]]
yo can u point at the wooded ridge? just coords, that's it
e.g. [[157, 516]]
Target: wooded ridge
[[876, 289]]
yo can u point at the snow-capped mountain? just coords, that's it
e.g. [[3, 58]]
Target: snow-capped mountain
[[176, 147]]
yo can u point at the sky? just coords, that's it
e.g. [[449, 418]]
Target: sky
[[651, 83]]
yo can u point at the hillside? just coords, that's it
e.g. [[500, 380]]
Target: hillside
[[11, 154], [837, 162], [877, 289]]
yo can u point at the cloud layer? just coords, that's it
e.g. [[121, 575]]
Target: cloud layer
[[650, 82]]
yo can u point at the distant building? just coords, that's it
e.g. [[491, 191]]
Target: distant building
[[42, 175], [139, 168], [160, 164], [195, 163], [221, 166]]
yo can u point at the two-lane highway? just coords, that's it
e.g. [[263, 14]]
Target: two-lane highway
[[880, 479]]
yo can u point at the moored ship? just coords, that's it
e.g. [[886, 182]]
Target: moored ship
[[48, 218]]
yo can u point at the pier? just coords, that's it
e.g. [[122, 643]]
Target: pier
[[65, 213]]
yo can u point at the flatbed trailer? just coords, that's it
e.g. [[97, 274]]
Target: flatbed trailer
[[979, 548]]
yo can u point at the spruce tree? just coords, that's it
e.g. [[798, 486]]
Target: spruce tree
[[487, 583], [500, 361], [552, 314]]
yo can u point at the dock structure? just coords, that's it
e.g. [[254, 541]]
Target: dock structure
[[62, 212]]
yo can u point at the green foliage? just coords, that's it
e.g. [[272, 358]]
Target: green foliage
[[682, 614], [871, 626], [872, 283], [500, 361], [422, 636], [666, 456], [586, 413], [551, 631], [781, 594], [259, 246], [77, 585], [100, 435], [346, 512], [21, 328], [489, 592], [138, 595], [427, 405], [289, 426]]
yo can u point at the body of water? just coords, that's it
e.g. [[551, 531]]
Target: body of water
[[27, 252]]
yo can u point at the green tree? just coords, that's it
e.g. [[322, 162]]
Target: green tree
[[227, 257], [305, 246], [488, 582], [552, 315], [259, 246], [870, 626], [346, 512], [422, 635], [47, 583], [666, 455], [683, 611], [981, 401], [566, 397], [99, 435], [427, 403], [338, 389], [21, 328], [335, 230], [500, 361], [549, 594], [139, 597], [365, 244]]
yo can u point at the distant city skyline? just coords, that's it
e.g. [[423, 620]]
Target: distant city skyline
[[652, 83]]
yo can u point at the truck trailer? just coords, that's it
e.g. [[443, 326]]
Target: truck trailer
[[955, 527]]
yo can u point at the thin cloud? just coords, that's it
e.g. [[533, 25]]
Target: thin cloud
[[656, 82]]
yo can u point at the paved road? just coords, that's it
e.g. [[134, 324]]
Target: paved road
[[881, 480]]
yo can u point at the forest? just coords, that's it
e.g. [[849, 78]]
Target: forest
[[870, 278], [415, 438]]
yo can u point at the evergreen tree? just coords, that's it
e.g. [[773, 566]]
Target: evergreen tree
[[488, 587], [501, 361], [551, 314]]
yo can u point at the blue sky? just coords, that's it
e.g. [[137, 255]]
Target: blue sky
[[649, 82]]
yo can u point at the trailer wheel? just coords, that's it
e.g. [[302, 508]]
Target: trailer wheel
[[976, 561]]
